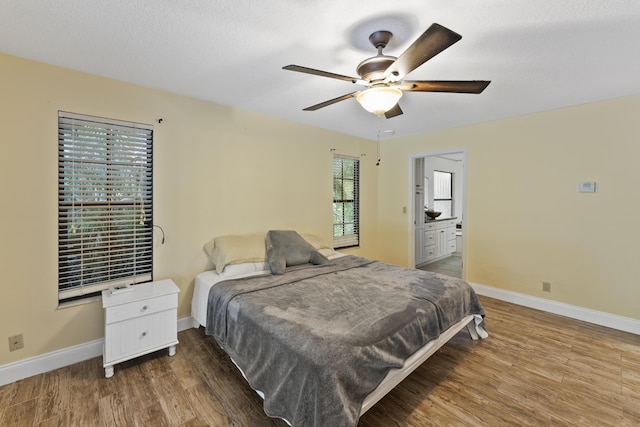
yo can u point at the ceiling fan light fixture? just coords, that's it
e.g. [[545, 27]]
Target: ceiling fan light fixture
[[378, 100]]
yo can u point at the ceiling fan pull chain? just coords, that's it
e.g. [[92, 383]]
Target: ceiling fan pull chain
[[379, 130]]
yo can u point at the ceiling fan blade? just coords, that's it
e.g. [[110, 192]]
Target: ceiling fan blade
[[455, 86], [395, 111], [331, 101], [433, 41], [321, 73]]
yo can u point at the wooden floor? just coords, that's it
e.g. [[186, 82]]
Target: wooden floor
[[535, 369]]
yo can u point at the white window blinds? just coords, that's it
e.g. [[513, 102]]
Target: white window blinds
[[105, 205], [346, 201]]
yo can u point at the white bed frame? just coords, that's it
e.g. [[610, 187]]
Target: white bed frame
[[395, 376]]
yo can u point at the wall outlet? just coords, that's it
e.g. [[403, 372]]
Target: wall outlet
[[16, 342], [546, 286]]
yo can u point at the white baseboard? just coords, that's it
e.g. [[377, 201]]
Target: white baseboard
[[31, 366], [601, 318], [185, 323]]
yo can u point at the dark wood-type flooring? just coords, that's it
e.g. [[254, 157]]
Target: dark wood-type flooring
[[536, 369]]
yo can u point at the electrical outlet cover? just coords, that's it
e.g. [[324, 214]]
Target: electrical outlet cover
[[16, 342]]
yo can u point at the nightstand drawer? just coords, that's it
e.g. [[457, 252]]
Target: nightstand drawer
[[140, 335], [143, 307]]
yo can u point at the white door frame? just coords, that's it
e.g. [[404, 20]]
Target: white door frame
[[411, 210]]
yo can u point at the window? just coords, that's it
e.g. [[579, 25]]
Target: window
[[346, 203], [443, 193], [105, 206]]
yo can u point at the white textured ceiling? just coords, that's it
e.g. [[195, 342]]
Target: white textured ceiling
[[539, 54]]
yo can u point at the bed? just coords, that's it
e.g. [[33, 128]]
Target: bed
[[328, 335]]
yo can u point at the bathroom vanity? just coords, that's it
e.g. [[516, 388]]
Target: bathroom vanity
[[435, 240]]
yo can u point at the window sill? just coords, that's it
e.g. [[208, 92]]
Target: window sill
[[67, 304], [341, 248]]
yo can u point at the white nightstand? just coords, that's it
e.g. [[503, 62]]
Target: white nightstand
[[141, 320]]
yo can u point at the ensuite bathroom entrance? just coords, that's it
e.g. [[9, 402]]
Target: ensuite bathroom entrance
[[438, 214]]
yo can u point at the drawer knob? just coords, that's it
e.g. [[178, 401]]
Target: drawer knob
[[144, 307], [144, 334]]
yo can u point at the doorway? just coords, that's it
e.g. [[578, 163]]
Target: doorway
[[438, 184]]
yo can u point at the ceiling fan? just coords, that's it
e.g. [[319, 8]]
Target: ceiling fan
[[382, 75]]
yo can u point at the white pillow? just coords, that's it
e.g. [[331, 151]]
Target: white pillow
[[233, 270], [317, 242], [327, 252]]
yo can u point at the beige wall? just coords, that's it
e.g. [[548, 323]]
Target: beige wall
[[526, 222], [217, 171]]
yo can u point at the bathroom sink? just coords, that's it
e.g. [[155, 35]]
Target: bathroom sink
[[433, 214]]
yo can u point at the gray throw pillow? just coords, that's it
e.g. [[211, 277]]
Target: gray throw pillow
[[287, 248]]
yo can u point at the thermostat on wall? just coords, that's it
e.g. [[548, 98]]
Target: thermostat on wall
[[587, 187]]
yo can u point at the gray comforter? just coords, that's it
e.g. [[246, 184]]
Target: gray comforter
[[316, 341]]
